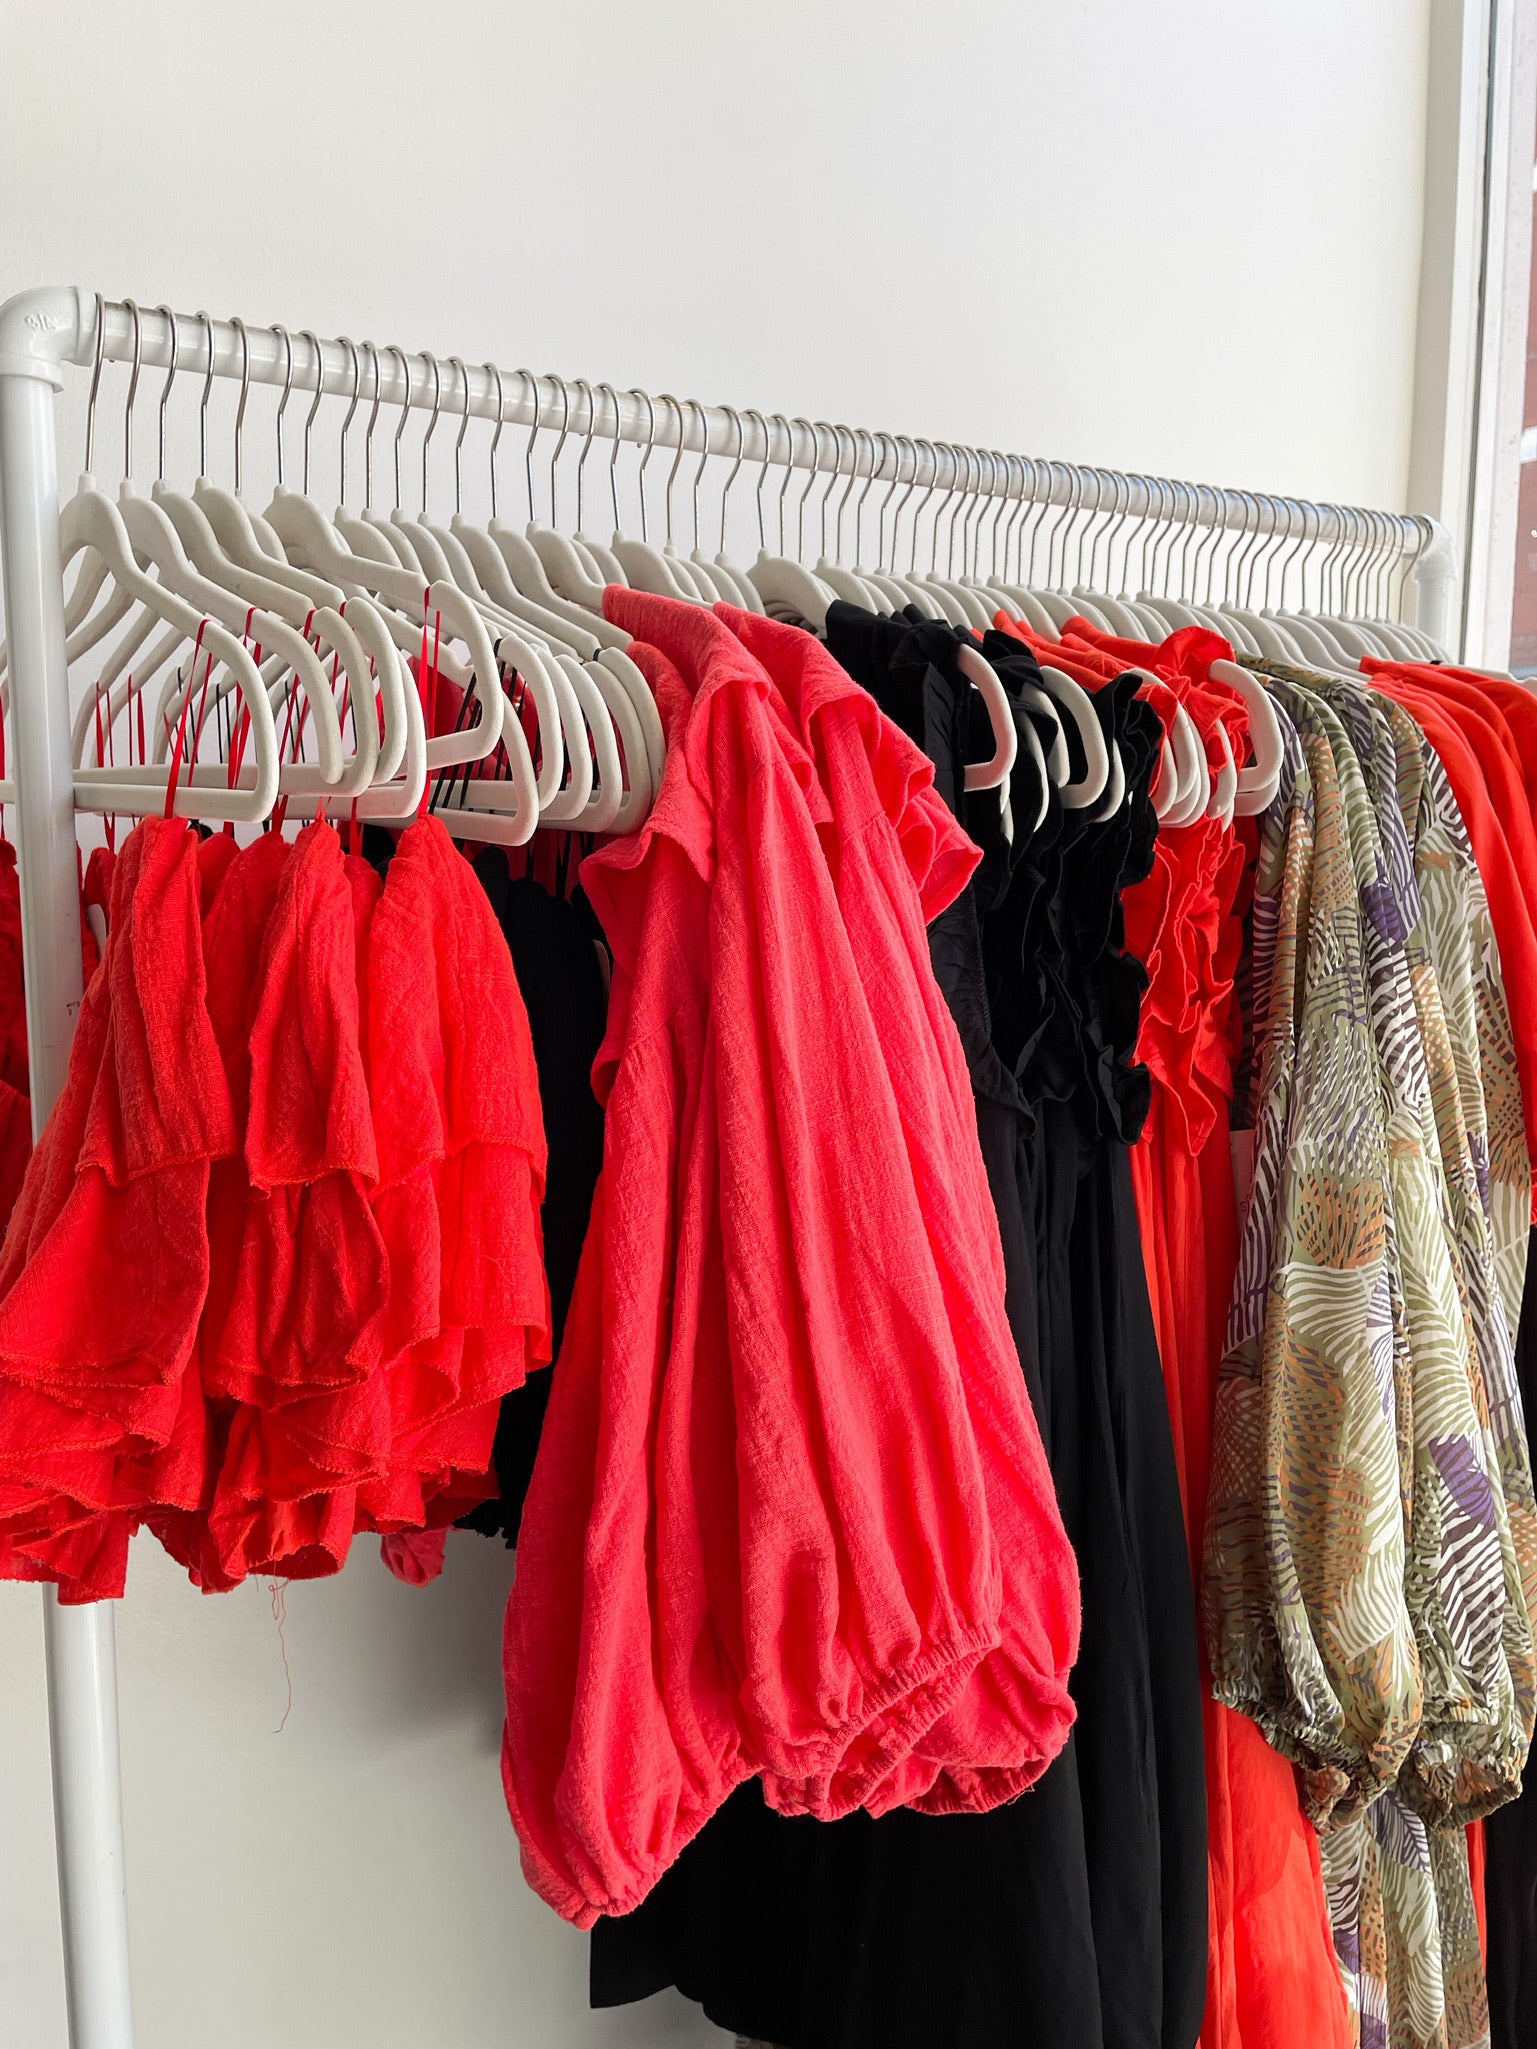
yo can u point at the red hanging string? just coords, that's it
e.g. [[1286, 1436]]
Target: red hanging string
[[181, 725]]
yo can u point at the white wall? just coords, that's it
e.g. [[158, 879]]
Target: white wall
[[1179, 237]]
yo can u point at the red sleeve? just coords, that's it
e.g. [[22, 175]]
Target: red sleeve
[[1508, 906]]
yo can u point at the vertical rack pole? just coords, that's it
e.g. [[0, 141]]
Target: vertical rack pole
[[1435, 587], [82, 1672]]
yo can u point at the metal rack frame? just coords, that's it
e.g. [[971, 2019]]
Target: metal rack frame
[[41, 332]]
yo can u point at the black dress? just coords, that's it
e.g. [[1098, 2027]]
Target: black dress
[[554, 942], [1051, 1922]]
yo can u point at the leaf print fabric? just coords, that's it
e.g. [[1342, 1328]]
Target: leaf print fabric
[[1369, 1584]]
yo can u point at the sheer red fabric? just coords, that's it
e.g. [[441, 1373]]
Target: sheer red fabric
[[782, 1545], [239, 1391]]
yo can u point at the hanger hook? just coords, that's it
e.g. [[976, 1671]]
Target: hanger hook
[[955, 503], [859, 502], [848, 490], [1014, 512], [305, 334], [884, 442], [531, 386], [1035, 519], [90, 407], [640, 474], [970, 505], [1237, 544], [288, 385], [752, 413], [971, 523], [1093, 527], [393, 349], [933, 454], [950, 505], [245, 392], [559, 384], [133, 386], [1206, 554], [725, 490], [999, 466], [432, 423], [1295, 515], [1170, 512], [704, 456], [800, 420], [902, 442], [987, 461], [457, 363], [784, 482], [496, 377], [1238, 554], [372, 354], [832, 476], [1264, 549], [613, 453], [170, 379], [667, 399], [585, 389], [346, 342]]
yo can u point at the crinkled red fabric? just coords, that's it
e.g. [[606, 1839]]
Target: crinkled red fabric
[[213, 1160], [461, 1180], [414, 1556], [894, 849], [99, 1415], [747, 1539]]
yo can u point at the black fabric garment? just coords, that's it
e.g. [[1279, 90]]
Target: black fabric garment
[[554, 944], [1510, 1834], [1051, 1923]]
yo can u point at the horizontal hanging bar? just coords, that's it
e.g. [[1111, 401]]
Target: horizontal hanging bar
[[41, 329], [395, 377]]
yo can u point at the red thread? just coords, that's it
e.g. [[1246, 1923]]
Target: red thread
[[181, 726], [277, 1590]]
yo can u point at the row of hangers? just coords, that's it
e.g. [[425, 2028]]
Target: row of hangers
[[286, 636]]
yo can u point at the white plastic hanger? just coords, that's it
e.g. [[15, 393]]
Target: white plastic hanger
[[904, 591], [783, 583], [605, 562], [91, 523], [746, 592], [517, 648], [1258, 782], [361, 643], [658, 570], [157, 544], [717, 583]]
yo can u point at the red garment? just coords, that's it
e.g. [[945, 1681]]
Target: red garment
[[311, 1271], [415, 1556], [461, 1180], [235, 1393], [1508, 892], [894, 832], [1516, 704], [748, 1543], [98, 1414]]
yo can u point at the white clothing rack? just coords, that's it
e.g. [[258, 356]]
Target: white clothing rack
[[40, 332]]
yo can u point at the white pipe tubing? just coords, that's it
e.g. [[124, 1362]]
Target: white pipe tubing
[[82, 1684], [61, 323]]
